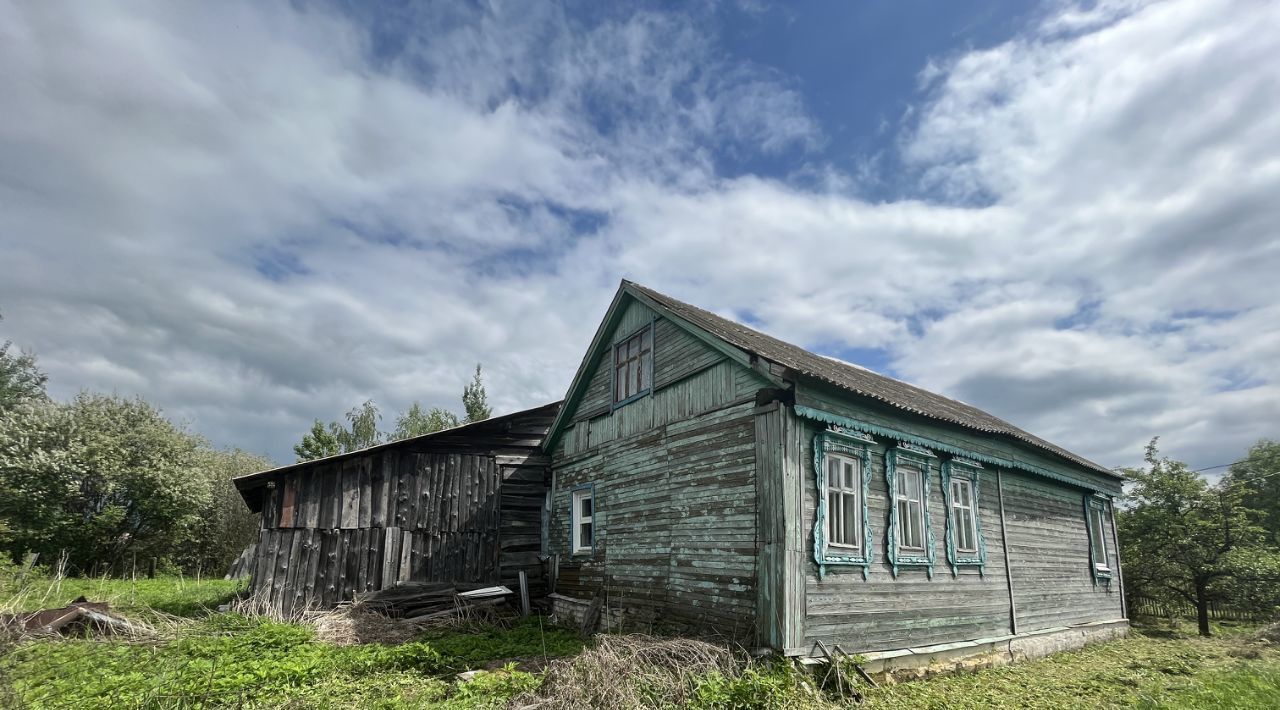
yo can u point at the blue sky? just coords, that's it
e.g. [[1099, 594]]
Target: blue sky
[[256, 214]]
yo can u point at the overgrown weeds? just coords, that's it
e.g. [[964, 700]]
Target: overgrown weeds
[[637, 671]]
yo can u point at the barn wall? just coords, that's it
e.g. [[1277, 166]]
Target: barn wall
[[1048, 549], [463, 508]]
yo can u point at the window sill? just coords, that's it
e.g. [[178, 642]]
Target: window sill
[[632, 398]]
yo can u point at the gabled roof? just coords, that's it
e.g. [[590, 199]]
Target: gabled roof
[[851, 378]]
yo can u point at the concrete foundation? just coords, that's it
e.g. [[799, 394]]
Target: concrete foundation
[[928, 661]]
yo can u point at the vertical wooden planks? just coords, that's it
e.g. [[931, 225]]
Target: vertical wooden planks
[[365, 484], [350, 495], [406, 556], [390, 557], [327, 581], [378, 506]]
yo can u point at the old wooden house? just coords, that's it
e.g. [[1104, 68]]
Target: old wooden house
[[705, 476], [460, 505], [708, 475]]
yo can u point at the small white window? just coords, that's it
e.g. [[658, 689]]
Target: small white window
[[910, 501], [844, 501], [963, 515], [1098, 538], [582, 517]]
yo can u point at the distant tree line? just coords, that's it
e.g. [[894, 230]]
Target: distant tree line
[[106, 480], [1184, 539], [361, 429]]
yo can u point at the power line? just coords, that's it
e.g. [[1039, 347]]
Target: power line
[[1221, 465]]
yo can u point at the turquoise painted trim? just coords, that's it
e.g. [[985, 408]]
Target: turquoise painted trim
[[1100, 576], [901, 436], [972, 470], [613, 365], [896, 558], [854, 445], [573, 519]]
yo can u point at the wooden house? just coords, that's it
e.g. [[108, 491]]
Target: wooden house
[[460, 505], [709, 476], [706, 477]]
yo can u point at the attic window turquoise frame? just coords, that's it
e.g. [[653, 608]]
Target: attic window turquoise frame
[[1095, 519], [632, 366], [846, 446], [961, 490], [913, 461]]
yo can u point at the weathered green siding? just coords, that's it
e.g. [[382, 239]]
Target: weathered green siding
[[1049, 556], [1049, 550], [883, 612], [675, 489]]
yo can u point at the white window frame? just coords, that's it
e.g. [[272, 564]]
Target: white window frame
[[837, 515], [900, 496], [959, 483], [1098, 526], [577, 520]]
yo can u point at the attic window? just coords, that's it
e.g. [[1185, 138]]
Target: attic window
[[633, 366]]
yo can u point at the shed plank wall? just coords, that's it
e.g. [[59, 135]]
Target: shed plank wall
[[367, 521]]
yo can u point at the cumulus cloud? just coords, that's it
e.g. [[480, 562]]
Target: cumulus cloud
[[256, 215]]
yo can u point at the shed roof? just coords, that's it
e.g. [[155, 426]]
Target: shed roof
[[518, 430], [852, 378]]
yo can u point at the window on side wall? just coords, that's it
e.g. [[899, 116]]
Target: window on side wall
[[909, 499], [633, 366], [964, 515], [1098, 536], [288, 496], [583, 521], [844, 501]]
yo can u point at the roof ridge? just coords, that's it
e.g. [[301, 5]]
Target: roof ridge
[[858, 379]]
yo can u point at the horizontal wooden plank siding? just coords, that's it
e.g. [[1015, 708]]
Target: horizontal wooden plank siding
[[883, 612], [448, 512], [1049, 556], [1048, 549], [675, 496]]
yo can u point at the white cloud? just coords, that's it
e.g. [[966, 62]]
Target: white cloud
[[255, 215]]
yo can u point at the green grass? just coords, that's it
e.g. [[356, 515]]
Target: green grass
[[180, 596], [230, 660], [1150, 669], [226, 660]]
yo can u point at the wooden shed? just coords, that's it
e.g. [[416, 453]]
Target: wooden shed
[[710, 477], [460, 505]]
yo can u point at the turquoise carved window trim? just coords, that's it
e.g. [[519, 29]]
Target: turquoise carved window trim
[[1095, 520], [964, 469], [855, 445], [922, 458]]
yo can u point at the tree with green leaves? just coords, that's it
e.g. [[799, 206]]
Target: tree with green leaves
[[1258, 477], [362, 430], [99, 477], [1185, 538], [475, 401], [20, 379], [318, 443], [418, 421]]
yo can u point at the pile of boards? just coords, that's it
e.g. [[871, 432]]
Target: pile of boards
[[426, 601], [79, 618]]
